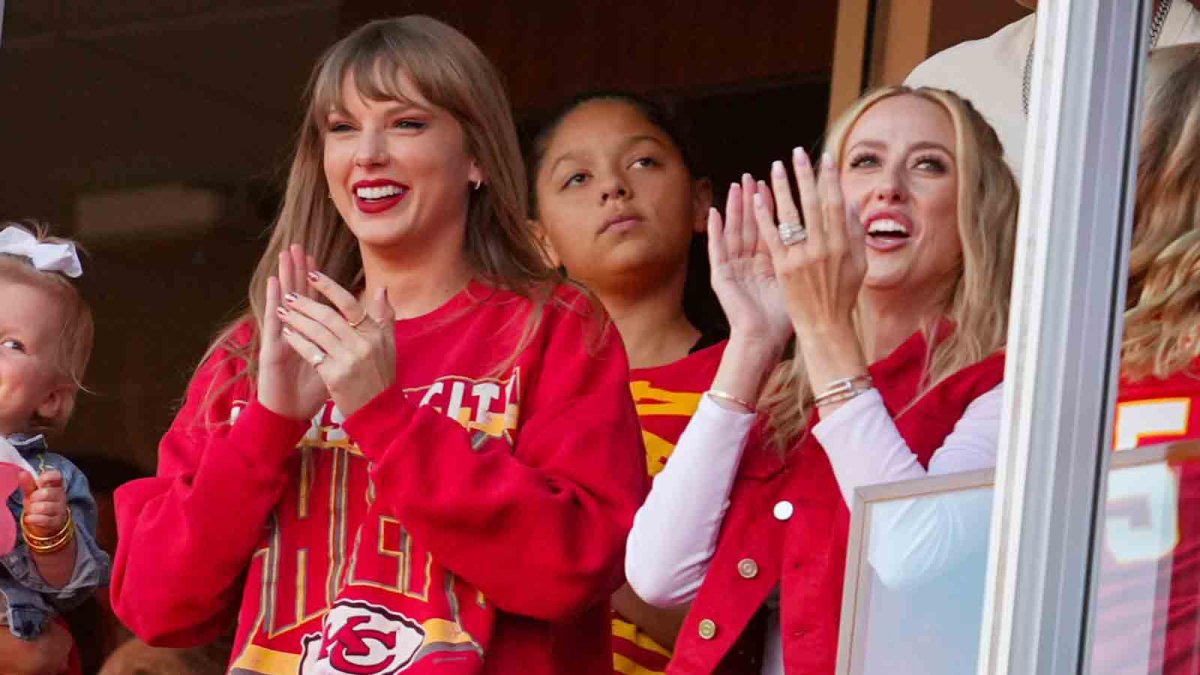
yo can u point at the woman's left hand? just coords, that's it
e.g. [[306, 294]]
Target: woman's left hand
[[821, 275], [353, 346]]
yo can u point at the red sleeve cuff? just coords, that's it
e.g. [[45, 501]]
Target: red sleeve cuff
[[374, 425], [265, 434]]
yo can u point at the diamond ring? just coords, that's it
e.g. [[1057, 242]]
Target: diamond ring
[[792, 233]]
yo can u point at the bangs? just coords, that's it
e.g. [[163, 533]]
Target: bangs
[[376, 77], [374, 60]]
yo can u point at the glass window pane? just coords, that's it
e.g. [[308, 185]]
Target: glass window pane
[[915, 599], [1147, 611], [1146, 557]]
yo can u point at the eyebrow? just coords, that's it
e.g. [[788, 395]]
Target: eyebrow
[[560, 160], [634, 140], [923, 145], [394, 108], [625, 145]]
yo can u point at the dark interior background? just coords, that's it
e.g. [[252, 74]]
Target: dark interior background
[[157, 133]]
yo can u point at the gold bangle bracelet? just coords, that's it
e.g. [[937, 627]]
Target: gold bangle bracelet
[[726, 396], [52, 543], [57, 546], [52, 546]]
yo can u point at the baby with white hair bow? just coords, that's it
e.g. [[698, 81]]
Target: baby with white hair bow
[[45, 342]]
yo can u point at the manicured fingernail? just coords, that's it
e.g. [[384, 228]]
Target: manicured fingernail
[[827, 160], [747, 178], [291, 297], [758, 199], [287, 331], [762, 185], [314, 276], [282, 312], [735, 186], [777, 168]]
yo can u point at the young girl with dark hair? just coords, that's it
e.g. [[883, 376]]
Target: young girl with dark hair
[[616, 196]]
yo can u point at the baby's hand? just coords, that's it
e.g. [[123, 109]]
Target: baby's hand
[[45, 511]]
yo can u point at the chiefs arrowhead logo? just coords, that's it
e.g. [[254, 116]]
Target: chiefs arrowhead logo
[[359, 638]]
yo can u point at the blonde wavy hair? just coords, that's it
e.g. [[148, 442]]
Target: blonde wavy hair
[[453, 74], [977, 305], [1162, 322]]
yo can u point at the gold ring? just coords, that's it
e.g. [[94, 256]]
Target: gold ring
[[356, 324]]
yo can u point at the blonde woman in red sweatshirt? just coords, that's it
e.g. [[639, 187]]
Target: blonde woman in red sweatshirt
[[417, 451]]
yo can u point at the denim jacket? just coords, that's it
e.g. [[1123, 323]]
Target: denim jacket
[[31, 601]]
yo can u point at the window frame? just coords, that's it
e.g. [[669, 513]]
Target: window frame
[[1064, 335]]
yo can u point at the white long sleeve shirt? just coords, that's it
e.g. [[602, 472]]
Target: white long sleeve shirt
[[674, 534]]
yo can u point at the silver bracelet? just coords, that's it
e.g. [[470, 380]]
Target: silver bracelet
[[840, 391]]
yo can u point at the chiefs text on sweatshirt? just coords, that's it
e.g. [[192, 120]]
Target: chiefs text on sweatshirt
[[469, 519]]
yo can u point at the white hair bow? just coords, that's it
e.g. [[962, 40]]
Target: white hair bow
[[44, 256]]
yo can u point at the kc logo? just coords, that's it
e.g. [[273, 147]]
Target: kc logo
[[362, 639]]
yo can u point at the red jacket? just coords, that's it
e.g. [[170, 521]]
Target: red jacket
[[460, 522], [805, 554]]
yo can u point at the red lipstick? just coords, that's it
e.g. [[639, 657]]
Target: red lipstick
[[377, 195]]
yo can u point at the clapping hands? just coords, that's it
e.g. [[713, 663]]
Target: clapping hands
[[315, 351]]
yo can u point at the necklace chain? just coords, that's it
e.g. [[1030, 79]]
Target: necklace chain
[[1156, 26]]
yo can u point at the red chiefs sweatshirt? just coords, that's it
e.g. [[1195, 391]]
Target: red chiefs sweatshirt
[[463, 521]]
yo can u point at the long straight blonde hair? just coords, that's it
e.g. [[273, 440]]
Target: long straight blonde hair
[[1162, 324], [977, 304], [453, 74]]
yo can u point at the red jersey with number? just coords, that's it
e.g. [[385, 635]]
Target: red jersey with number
[[1149, 586], [666, 398], [469, 519]]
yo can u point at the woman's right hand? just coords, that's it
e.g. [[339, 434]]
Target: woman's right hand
[[287, 384], [744, 281], [742, 274]]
